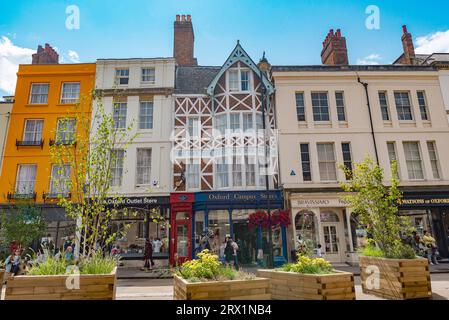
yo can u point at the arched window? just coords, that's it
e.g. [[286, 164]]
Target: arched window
[[329, 216], [305, 225]]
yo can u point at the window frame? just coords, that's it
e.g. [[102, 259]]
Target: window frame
[[410, 106], [19, 166], [384, 108], [146, 116], [407, 161], [60, 120], [300, 110], [304, 162], [69, 171], [118, 77], [140, 174], [237, 86], [118, 120], [434, 163], [72, 100], [341, 107], [114, 167], [320, 107], [423, 108], [34, 131], [151, 81], [323, 160], [30, 100]]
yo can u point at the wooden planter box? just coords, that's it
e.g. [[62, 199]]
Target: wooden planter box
[[297, 286], [2, 275], [254, 289], [91, 287], [400, 279]]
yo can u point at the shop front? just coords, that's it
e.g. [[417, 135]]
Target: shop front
[[209, 217], [429, 210], [146, 218], [325, 219]]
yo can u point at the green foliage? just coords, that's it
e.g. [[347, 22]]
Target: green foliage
[[371, 251], [376, 205], [58, 265], [91, 158], [309, 265], [97, 264], [208, 268], [23, 224], [401, 251]]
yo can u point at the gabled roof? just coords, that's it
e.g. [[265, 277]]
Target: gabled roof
[[239, 54], [195, 79]]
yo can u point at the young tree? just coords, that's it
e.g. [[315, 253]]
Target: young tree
[[87, 163], [24, 223], [376, 205]]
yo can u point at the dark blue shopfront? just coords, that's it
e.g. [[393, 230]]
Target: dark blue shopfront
[[216, 215]]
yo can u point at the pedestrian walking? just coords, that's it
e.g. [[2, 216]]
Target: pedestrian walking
[[148, 255], [431, 247]]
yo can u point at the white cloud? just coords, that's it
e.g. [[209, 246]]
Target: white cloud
[[437, 42], [73, 56], [372, 59], [10, 58]]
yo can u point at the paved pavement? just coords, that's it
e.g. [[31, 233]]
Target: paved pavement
[[162, 289]]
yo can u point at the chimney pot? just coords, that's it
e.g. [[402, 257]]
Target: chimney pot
[[183, 46], [404, 29], [334, 49], [183, 17], [189, 17], [178, 17]]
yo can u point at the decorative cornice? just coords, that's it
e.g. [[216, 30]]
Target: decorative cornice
[[134, 91]]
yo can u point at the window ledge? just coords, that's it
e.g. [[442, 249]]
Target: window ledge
[[36, 105], [71, 104]]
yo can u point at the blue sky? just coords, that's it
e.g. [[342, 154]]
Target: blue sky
[[291, 32]]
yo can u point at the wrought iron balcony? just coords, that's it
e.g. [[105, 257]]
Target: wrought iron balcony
[[30, 143], [62, 142], [56, 195], [17, 196]]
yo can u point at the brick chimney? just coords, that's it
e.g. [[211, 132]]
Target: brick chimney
[[183, 41], [407, 44], [334, 49], [45, 55]]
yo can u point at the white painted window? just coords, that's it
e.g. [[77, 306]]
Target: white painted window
[[33, 130], [248, 123], [66, 130], [221, 123], [222, 173], [122, 76], [148, 75], [193, 175], [26, 179], [384, 109], [259, 121], [413, 160], [403, 106], [392, 155], [237, 171], [250, 170], [117, 159], [60, 179], [70, 92], [320, 106], [119, 115], [145, 115], [244, 80], [326, 162], [234, 121], [340, 101], [233, 80], [423, 109], [143, 168], [39, 93], [193, 127], [433, 155]]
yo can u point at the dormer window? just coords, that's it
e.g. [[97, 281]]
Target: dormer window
[[239, 80]]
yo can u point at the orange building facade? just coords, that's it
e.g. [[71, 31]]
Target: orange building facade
[[48, 96]]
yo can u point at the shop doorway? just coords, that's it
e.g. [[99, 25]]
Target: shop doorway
[[331, 228], [247, 242], [182, 232]]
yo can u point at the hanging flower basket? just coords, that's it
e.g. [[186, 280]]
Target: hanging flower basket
[[274, 219]]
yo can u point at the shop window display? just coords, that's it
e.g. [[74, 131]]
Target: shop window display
[[306, 233], [219, 229]]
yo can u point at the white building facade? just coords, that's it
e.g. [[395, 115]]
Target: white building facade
[[138, 92], [326, 117]]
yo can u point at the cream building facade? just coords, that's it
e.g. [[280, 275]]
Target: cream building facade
[[326, 117], [5, 115], [138, 92]]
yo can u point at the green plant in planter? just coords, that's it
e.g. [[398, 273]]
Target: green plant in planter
[[208, 268], [309, 265], [376, 207]]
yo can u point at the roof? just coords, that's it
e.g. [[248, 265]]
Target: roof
[[194, 80], [328, 68]]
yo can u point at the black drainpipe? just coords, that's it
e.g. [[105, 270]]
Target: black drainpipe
[[365, 85]]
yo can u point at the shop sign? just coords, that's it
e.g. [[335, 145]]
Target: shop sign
[[424, 202], [136, 201], [234, 196], [316, 203]]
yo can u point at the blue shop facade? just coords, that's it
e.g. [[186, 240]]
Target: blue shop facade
[[209, 217]]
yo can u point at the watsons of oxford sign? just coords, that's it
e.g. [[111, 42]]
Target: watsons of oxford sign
[[424, 202]]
